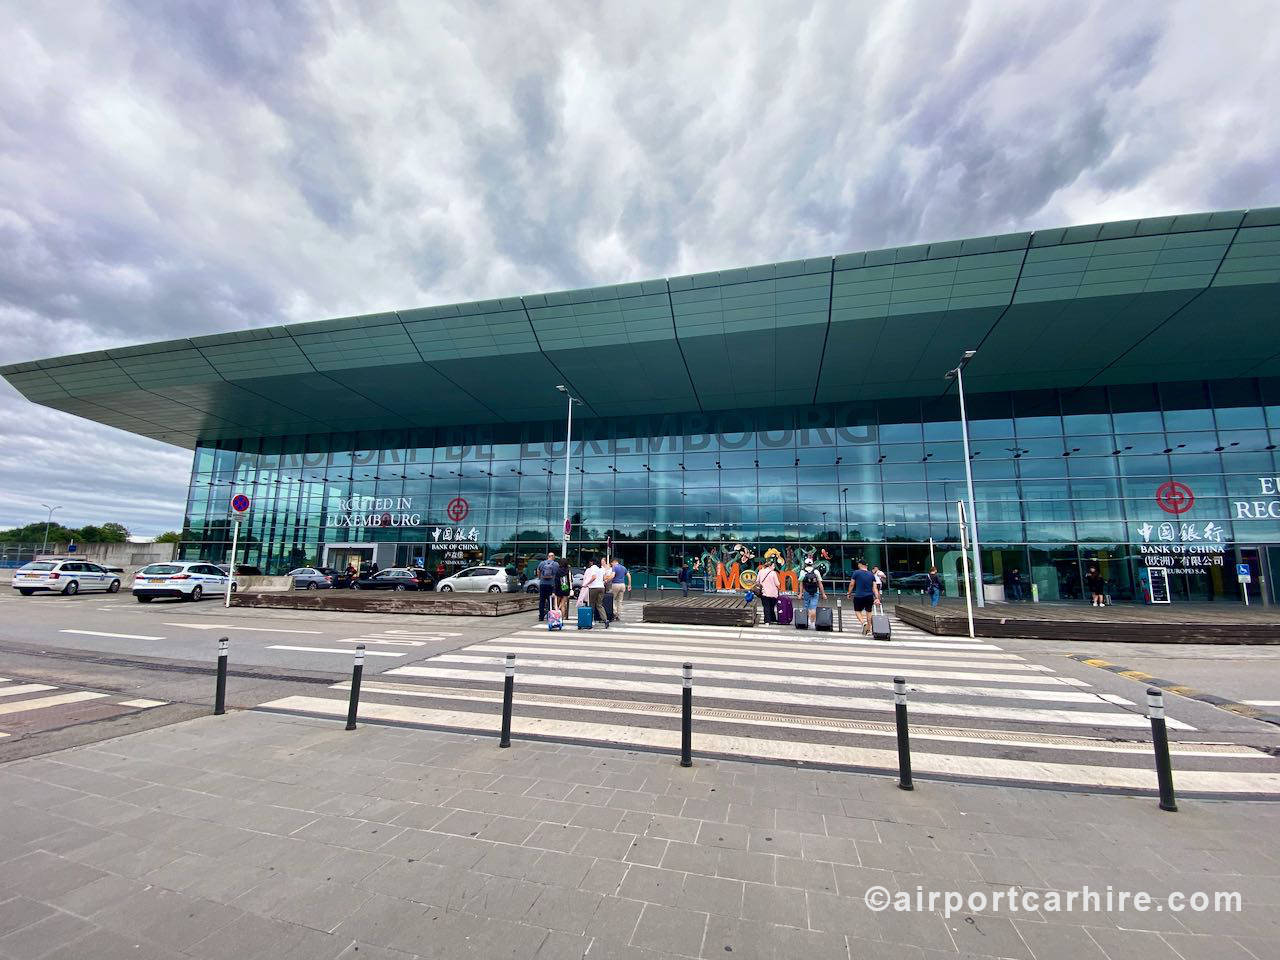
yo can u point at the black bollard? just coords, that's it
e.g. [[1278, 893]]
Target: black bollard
[[356, 673], [840, 614], [686, 718], [508, 693], [904, 743], [1160, 739], [220, 690]]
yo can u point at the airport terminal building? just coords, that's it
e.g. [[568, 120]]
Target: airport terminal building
[[1123, 411]]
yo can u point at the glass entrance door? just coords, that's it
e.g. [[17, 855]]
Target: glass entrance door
[[1252, 558], [340, 557]]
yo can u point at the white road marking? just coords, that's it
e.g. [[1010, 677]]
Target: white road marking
[[746, 634], [118, 636], [851, 649], [805, 722], [39, 704], [390, 643], [795, 679], [772, 653], [976, 711], [24, 688], [871, 667], [422, 633], [228, 626], [1263, 703], [143, 703], [1207, 781], [369, 653]]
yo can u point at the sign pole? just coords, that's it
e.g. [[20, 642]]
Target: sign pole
[[231, 565], [964, 557]]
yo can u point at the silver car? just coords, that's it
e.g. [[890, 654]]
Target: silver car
[[309, 578], [481, 580]]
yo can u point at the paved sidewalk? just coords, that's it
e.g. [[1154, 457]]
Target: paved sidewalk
[[257, 835]]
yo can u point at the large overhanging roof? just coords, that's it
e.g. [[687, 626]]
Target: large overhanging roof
[[1169, 298]]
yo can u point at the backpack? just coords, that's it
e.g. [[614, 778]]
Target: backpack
[[810, 583]]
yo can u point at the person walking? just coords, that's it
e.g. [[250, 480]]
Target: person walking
[[767, 587], [811, 592], [1013, 585], [547, 571], [882, 578], [373, 570], [593, 583], [564, 582], [352, 575], [934, 588], [865, 590], [620, 585], [1097, 587], [683, 577]]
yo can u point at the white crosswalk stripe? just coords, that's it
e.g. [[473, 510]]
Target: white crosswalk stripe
[[783, 694], [19, 701]]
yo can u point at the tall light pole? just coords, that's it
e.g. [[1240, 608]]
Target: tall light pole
[[48, 520], [958, 376], [568, 447], [844, 514]]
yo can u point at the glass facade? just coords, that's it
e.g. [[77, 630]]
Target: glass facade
[[1181, 476]]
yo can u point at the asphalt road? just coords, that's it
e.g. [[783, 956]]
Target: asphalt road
[[1015, 706]]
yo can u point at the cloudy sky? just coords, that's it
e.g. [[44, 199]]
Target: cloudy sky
[[174, 169]]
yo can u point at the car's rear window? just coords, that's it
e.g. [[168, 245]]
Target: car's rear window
[[161, 569], [39, 565]]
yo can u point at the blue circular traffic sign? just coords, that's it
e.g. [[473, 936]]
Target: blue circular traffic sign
[[240, 503]]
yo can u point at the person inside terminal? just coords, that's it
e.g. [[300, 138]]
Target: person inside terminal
[[1119, 417]]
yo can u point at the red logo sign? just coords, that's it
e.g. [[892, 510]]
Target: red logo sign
[[1174, 497], [458, 509]]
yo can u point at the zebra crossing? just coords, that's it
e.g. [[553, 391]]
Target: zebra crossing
[[779, 694], [31, 707]]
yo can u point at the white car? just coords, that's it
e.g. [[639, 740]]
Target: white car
[[481, 580], [68, 577], [181, 579]]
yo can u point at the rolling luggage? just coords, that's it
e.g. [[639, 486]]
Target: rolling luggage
[[584, 618], [607, 602], [786, 612], [554, 620], [802, 618], [824, 619], [880, 629]]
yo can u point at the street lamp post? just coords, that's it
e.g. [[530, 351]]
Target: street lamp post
[[844, 513], [48, 520], [568, 447], [958, 375]]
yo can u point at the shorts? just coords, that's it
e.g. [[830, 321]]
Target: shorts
[[864, 604], [810, 600]]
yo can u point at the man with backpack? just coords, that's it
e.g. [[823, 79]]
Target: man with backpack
[[811, 592], [864, 587], [683, 577]]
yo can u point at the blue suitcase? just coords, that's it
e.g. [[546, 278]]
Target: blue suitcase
[[584, 618]]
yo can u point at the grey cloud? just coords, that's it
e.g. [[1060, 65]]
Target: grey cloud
[[177, 169]]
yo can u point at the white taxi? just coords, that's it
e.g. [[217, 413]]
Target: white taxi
[[180, 579], [67, 577]]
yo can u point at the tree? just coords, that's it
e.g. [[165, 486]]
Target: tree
[[114, 533], [169, 536]]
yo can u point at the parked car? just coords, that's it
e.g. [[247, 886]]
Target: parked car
[[482, 580], [309, 578], [339, 579], [181, 580], [531, 585], [396, 578], [63, 576], [242, 570]]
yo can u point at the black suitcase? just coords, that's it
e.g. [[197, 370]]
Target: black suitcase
[[607, 601], [802, 617], [824, 619]]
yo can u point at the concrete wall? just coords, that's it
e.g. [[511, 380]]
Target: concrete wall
[[131, 556]]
